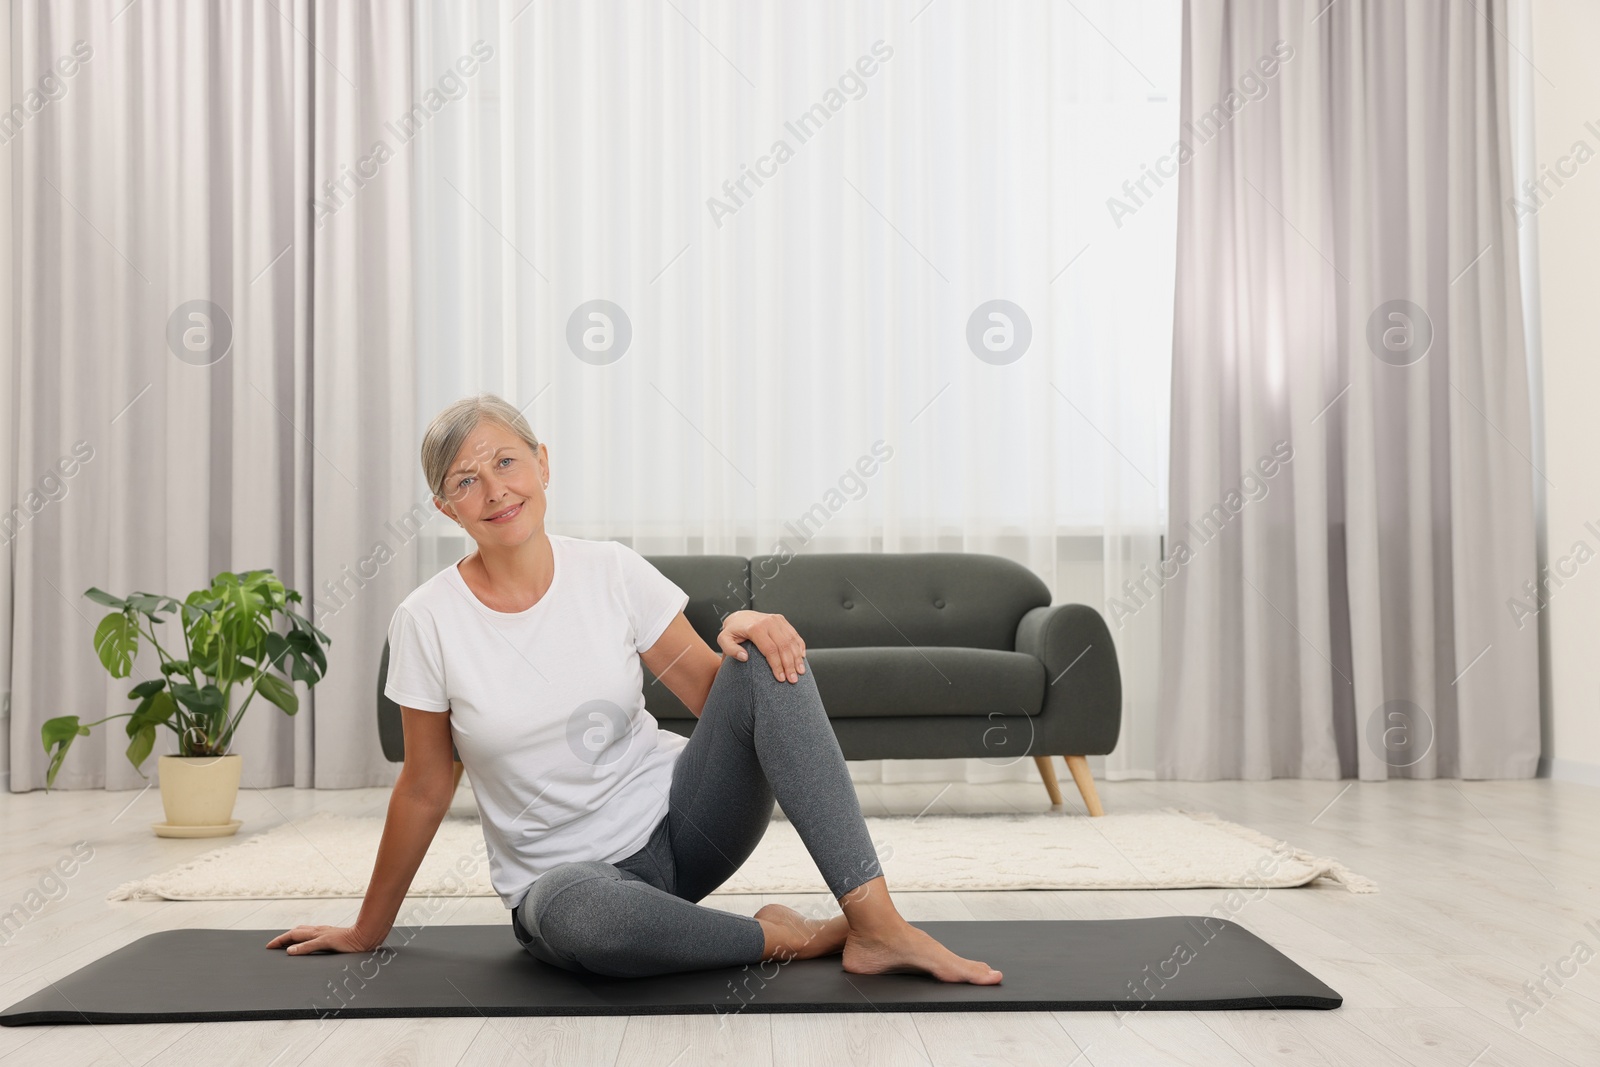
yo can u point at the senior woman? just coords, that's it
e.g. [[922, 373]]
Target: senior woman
[[603, 830]]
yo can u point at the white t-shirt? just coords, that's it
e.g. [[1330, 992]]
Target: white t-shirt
[[547, 705]]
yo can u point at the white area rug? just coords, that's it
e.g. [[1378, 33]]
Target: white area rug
[[327, 855]]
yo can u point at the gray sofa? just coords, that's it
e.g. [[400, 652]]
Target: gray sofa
[[916, 655]]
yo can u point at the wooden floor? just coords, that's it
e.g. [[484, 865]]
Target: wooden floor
[[1484, 886]]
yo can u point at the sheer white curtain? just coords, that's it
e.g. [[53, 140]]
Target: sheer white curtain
[[795, 214]]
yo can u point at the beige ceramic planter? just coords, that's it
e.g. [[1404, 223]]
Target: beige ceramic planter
[[197, 794]]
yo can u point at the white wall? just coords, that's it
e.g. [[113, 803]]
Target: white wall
[[1566, 93], [9, 219]]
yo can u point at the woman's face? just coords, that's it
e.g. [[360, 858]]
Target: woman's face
[[496, 486]]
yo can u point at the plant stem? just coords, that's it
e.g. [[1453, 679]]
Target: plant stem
[[108, 718], [188, 649], [227, 735], [185, 720], [255, 687], [160, 652]]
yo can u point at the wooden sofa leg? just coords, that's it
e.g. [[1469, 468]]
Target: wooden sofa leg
[[457, 783], [1079, 766], [1047, 771]]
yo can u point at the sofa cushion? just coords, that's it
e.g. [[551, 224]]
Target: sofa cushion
[[885, 600], [875, 682]]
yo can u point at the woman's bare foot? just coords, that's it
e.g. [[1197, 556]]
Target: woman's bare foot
[[902, 947], [792, 936]]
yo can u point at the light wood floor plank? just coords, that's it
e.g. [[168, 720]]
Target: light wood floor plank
[[1142, 1038], [547, 1042], [396, 1042], [1561, 1018], [883, 1039], [1000, 1039], [733, 1039], [273, 1043]]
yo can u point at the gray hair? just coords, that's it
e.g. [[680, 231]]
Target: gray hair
[[450, 429]]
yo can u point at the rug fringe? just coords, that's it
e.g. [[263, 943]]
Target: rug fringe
[[1339, 874], [133, 891], [1335, 872]]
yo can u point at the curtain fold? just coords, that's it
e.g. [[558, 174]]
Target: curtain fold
[[1352, 523], [212, 299]]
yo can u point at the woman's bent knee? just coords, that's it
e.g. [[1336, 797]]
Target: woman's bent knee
[[760, 669]]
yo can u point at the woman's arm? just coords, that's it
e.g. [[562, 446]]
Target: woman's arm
[[416, 808], [681, 661], [421, 797]]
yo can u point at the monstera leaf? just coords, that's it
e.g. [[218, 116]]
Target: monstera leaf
[[58, 735]]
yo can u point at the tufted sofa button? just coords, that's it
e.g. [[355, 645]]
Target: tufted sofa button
[[938, 603], [848, 605]]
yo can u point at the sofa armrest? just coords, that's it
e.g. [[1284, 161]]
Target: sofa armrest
[[1082, 713]]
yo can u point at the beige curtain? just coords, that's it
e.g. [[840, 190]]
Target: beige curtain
[[1352, 519]]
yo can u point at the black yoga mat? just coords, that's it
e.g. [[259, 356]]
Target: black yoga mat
[[1170, 963]]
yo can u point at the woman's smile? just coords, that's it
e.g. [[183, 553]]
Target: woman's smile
[[506, 515]]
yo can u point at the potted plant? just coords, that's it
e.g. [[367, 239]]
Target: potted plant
[[230, 639]]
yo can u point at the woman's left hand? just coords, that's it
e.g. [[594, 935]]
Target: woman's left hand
[[772, 634]]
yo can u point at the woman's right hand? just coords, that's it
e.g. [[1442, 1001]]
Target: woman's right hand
[[303, 939]]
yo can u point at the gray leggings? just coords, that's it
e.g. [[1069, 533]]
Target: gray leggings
[[759, 740]]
